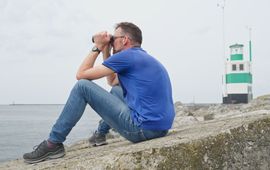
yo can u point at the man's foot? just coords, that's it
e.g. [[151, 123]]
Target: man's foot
[[97, 139], [44, 151]]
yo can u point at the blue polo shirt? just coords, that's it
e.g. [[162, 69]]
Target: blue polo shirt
[[146, 86]]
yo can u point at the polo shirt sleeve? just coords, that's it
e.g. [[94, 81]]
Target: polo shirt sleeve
[[119, 62]]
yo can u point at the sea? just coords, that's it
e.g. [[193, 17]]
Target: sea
[[24, 126]]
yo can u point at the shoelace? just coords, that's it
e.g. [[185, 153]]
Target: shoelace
[[36, 147]]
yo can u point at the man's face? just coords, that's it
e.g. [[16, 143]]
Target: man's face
[[118, 43]]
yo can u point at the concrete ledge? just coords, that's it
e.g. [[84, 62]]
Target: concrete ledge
[[232, 140]]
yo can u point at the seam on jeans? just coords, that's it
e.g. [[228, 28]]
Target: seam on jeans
[[142, 131], [128, 132]]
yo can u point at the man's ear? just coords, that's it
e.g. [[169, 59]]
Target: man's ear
[[124, 41]]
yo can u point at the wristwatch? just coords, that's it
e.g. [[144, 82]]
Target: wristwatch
[[95, 49]]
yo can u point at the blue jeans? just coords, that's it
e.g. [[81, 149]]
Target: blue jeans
[[110, 106]]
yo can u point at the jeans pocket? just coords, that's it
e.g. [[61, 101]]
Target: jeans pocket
[[151, 134], [136, 136]]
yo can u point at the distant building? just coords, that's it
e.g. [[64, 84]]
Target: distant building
[[238, 77]]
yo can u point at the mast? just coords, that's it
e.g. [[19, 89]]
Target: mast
[[250, 51]]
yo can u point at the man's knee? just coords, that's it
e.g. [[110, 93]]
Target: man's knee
[[81, 84]]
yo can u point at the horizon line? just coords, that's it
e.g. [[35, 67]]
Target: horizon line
[[13, 104]]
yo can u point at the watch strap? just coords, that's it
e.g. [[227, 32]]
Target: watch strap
[[95, 49]]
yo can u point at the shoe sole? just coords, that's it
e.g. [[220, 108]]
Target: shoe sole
[[99, 144], [50, 155]]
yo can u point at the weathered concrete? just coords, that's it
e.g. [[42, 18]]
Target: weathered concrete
[[232, 137]]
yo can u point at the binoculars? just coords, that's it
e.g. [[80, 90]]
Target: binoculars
[[111, 39]]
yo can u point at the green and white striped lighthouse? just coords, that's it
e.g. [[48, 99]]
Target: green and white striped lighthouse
[[238, 76]]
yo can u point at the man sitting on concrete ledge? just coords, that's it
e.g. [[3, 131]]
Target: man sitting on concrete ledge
[[139, 106]]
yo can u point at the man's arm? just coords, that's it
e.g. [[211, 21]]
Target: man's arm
[[112, 79], [88, 71]]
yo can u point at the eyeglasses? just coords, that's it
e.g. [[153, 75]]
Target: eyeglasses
[[113, 38]]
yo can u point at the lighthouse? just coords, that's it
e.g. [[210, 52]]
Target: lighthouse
[[238, 76]]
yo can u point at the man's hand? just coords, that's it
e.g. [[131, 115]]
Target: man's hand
[[102, 39]]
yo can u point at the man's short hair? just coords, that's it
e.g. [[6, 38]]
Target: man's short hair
[[134, 32]]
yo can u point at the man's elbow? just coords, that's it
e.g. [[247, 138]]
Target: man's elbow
[[79, 76]]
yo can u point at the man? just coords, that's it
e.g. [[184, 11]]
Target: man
[[139, 106]]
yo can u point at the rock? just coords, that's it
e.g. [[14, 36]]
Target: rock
[[209, 116], [184, 120], [181, 109]]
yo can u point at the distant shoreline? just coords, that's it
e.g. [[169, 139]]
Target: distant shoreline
[[27, 104]]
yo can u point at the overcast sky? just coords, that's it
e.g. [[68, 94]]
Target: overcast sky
[[42, 43]]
